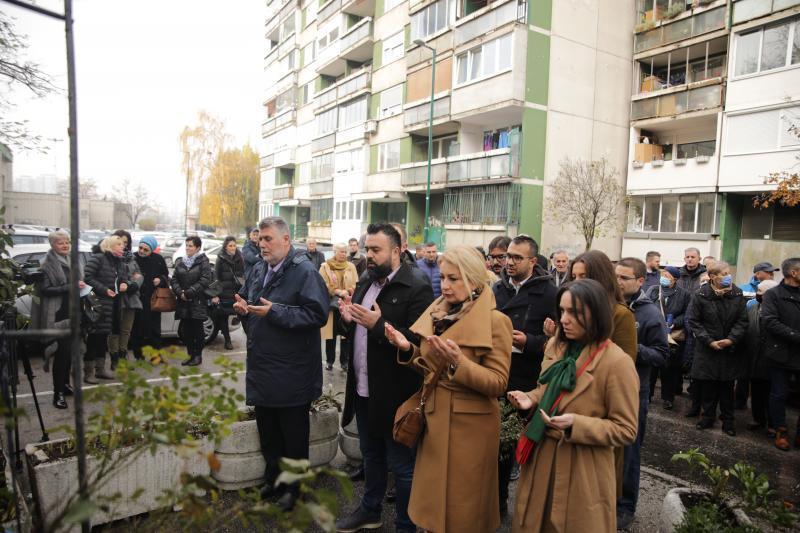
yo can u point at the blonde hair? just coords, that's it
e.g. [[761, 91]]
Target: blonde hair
[[470, 264], [109, 242]]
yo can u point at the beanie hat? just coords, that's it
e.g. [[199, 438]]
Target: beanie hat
[[150, 241], [675, 272]]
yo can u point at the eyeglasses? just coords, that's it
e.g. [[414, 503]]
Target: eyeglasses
[[516, 258], [498, 257], [626, 278]]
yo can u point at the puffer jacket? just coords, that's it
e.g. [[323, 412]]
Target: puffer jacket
[[103, 272], [714, 317], [226, 270], [193, 283]]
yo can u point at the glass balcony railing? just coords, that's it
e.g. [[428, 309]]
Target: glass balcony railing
[[684, 28], [283, 192], [676, 103], [484, 165], [328, 9], [421, 113], [321, 188], [418, 174], [323, 143], [361, 30], [513, 10]]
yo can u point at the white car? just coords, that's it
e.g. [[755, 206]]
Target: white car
[[170, 328], [209, 247]]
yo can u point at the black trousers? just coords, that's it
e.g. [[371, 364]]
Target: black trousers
[[283, 432], [504, 467], [96, 346], [759, 401], [330, 351], [671, 378], [718, 392], [194, 336], [146, 330], [62, 363], [741, 393]]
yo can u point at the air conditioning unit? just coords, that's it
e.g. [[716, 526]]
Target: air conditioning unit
[[371, 127]]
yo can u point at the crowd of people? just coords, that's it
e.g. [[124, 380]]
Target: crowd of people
[[576, 344]]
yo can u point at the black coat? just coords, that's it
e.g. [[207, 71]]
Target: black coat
[[711, 318], [316, 257], [151, 267], [359, 261], [755, 340], [780, 322], [226, 270], [402, 300], [690, 279], [103, 272], [284, 356], [251, 255], [674, 301], [527, 309], [652, 349], [193, 283]]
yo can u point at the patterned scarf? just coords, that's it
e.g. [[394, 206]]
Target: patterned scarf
[[445, 315]]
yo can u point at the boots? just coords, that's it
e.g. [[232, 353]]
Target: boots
[[782, 439], [88, 373], [100, 369]]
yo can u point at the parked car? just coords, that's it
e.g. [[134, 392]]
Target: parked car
[[208, 247], [93, 236], [170, 328]]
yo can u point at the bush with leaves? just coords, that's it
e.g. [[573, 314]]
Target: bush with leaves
[[511, 427]]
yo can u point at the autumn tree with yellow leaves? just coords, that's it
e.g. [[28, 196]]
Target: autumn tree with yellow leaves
[[230, 196]]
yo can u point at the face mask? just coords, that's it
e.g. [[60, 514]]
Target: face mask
[[726, 281], [377, 272], [665, 282]]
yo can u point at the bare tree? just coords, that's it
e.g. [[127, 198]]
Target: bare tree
[[17, 72], [135, 199], [587, 196]]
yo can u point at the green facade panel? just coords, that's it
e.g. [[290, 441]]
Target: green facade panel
[[405, 150], [730, 226], [377, 55], [537, 68], [531, 166], [373, 159], [540, 13]]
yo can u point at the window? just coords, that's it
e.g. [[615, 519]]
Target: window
[[393, 48], [694, 149], [322, 167], [326, 122], [287, 27], [441, 147], [388, 5], [327, 35], [690, 213], [762, 131], [353, 112], [350, 210], [389, 155], [391, 101], [311, 12], [321, 210], [285, 100], [350, 161], [485, 60], [767, 48], [433, 18]]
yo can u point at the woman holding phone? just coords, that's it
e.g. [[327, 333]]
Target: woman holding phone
[[586, 404]]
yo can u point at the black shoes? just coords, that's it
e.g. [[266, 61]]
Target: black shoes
[[705, 423], [58, 401], [228, 344], [344, 369], [287, 501], [68, 390], [668, 405], [329, 366], [196, 360], [728, 429], [358, 519], [357, 474]]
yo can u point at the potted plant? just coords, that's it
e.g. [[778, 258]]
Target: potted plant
[[689, 509], [324, 431], [349, 444]]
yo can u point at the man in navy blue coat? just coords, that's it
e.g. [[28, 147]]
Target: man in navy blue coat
[[285, 303]]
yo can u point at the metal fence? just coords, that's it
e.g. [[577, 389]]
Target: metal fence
[[483, 205]]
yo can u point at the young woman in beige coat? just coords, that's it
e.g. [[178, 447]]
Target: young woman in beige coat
[[455, 475], [586, 403]]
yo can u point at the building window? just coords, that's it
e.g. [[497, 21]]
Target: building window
[[389, 155], [326, 122], [496, 205], [391, 101], [687, 213], [767, 48], [762, 131], [350, 161], [350, 210], [322, 168], [287, 27], [433, 18], [694, 149], [441, 147], [485, 60], [353, 112], [388, 5], [327, 35], [285, 100], [392, 48], [311, 12], [321, 210]]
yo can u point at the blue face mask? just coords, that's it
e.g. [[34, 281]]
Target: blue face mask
[[665, 282], [726, 281]]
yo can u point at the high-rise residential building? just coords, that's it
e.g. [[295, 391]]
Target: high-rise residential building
[[517, 87], [715, 95]]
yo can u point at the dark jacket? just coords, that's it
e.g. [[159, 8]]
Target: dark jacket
[[652, 347], [755, 340], [432, 271], [527, 309], [674, 301], [651, 279], [711, 318], [251, 255], [780, 321], [359, 261], [151, 267], [193, 283], [316, 257], [690, 280], [226, 271], [284, 357], [103, 272], [131, 275], [402, 300]]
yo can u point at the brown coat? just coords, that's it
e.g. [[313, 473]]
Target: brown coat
[[624, 334], [332, 283], [568, 483], [455, 483]]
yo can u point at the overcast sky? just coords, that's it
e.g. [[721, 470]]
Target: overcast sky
[[144, 69]]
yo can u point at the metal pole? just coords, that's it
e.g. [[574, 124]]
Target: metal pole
[[186, 203], [74, 273], [430, 149]]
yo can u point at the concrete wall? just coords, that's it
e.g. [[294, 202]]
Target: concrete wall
[[752, 251], [53, 210], [671, 250]]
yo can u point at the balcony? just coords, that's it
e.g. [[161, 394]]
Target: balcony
[[361, 8], [692, 23], [321, 188], [354, 45], [283, 192], [355, 133], [329, 9], [684, 100], [284, 157], [276, 121], [346, 88], [416, 116], [416, 174], [489, 19], [266, 161], [323, 143], [500, 163]]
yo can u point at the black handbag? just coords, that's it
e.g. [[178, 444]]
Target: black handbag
[[91, 309]]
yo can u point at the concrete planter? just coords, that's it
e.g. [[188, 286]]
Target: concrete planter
[[55, 481], [24, 512], [673, 509], [348, 442], [239, 454]]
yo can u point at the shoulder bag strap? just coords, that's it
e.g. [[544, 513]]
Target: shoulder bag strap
[[430, 386]]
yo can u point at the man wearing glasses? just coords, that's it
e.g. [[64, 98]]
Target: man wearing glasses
[[497, 255], [526, 295]]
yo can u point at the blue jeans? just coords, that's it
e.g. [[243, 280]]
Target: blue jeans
[[632, 460], [778, 392], [381, 455]]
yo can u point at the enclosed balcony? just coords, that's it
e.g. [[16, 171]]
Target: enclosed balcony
[[682, 66], [344, 89], [355, 44], [698, 97], [321, 188], [327, 10], [653, 32], [285, 157], [415, 175], [283, 192], [266, 161], [489, 18], [417, 116], [361, 8]]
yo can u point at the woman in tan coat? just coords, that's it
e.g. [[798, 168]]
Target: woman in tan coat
[[586, 403], [340, 277], [455, 475]]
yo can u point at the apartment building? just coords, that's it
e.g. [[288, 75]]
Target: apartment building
[[517, 86], [716, 89]]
